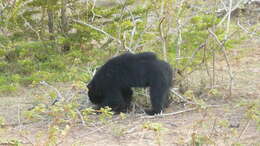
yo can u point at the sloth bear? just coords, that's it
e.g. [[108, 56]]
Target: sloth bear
[[111, 85]]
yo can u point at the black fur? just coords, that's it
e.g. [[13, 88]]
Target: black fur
[[111, 85]]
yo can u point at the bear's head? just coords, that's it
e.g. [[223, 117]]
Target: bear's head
[[94, 94]]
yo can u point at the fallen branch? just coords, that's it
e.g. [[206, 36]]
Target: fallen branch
[[27, 138], [170, 114], [178, 112], [245, 128], [181, 97], [99, 127], [131, 130], [59, 96], [213, 128]]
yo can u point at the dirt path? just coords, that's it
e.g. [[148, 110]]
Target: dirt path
[[223, 125]]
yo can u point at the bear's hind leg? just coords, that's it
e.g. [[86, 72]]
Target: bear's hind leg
[[159, 99]]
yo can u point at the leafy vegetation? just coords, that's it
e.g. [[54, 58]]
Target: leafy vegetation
[[49, 40]]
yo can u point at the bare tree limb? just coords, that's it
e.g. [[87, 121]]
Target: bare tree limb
[[247, 31], [178, 112], [97, 29], [223, 48], [163, 38], [230, 11], [193, 54], [179, 30], [228, 21], [59, 96], [134, 28], [29, 25], [213, 68], [170, 114]]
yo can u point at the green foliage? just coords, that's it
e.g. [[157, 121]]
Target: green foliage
[[157, 128], [105, 113], [194, 35], [252, 110], [223, 123], [63, 115], [13, 142], [25, 59], [87, 112], [154, 126], [56, 134], [32, 52], [200, 140], [123, 116], [118, 131], [237, 144], [2, 121], [36, 113]]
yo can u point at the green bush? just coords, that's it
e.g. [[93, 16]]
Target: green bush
[[31, 52]]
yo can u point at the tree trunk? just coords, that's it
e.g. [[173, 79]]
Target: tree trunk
[[50, 23], [64, 25]]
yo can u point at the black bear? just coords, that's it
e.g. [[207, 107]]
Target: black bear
[[111, 85]]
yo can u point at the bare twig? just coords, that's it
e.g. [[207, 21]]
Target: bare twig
[[124, 42], [93, 131], [97, 29], [193, 55], [224, 5], [179, 30], [19, 116], [213, 69], [163, 38], [131, 130], [230, 11], [206, 63], [246, 30], [81, 117], [179, 112], [170, 114], [134, 28], [28, 139], [181, 97], [106, 44], [228, 21], [29, 25], [245, 128], [59, 96], [92, 11], [213, 127], [223, 48]]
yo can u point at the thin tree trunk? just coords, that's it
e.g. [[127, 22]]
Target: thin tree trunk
[[64, 25], [50, 23]]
